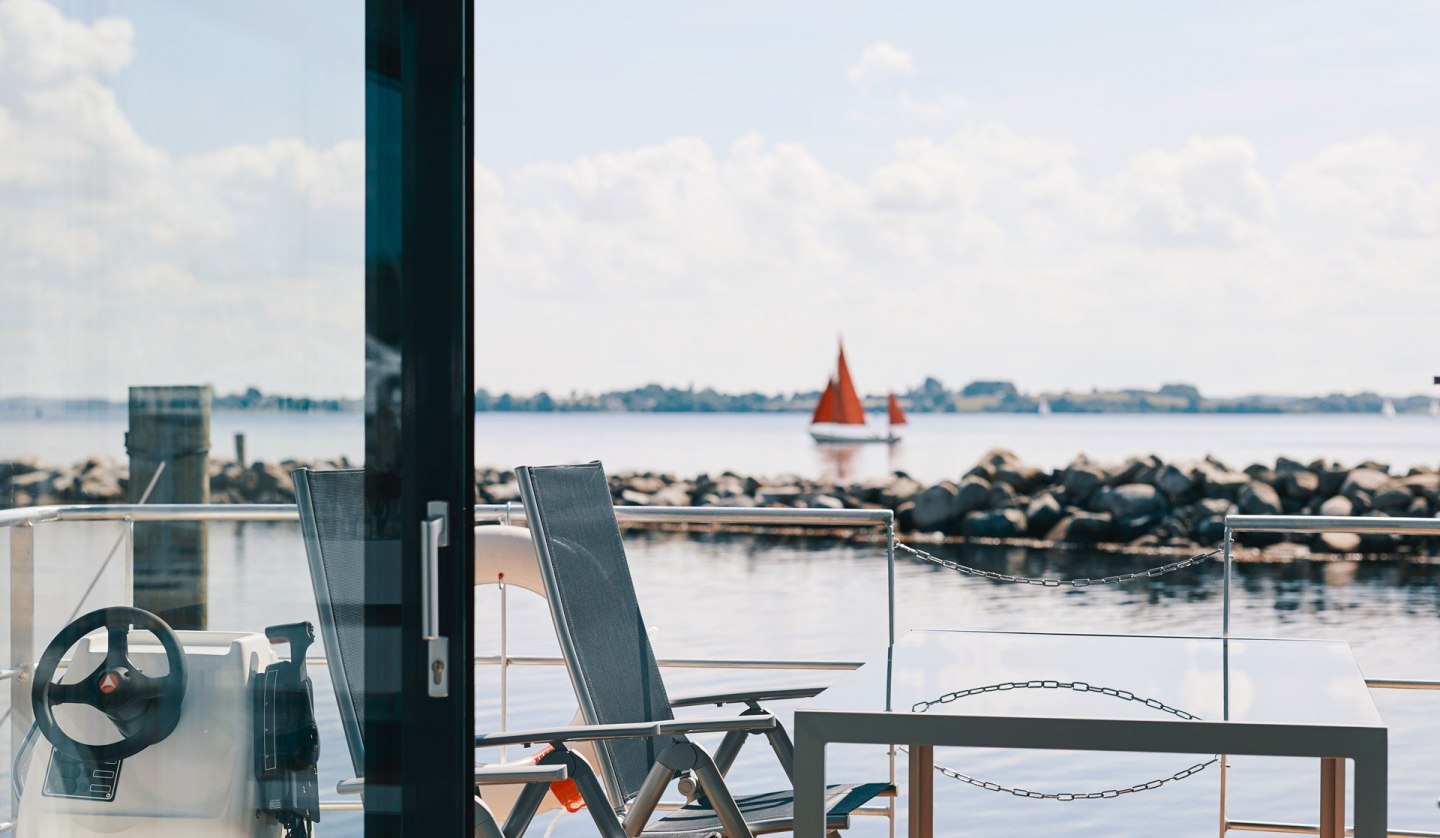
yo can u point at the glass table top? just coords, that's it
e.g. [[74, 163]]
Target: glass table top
[[1111, 677]]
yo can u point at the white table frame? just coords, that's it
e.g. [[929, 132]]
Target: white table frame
[[815, 729]]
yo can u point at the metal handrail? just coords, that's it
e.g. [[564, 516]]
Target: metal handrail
[[1364, 525], [484, 514]]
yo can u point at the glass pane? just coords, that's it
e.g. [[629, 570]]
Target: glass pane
[[182, 188]]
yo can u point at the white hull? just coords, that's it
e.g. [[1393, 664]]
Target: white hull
[[835, 432]]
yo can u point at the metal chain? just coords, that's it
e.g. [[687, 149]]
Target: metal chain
[[1077, 686], [1058, 583]]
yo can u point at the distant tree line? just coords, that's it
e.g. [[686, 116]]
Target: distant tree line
[[932, 396]]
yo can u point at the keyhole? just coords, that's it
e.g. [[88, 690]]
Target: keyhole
[[438, 668]]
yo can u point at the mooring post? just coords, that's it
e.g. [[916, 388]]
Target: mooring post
[[240, 448], [170, 425]]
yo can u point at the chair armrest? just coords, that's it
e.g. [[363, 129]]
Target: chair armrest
[[576, 733], [746, 696], [752, 723], [502, 774], [520, 772], [354, 785]]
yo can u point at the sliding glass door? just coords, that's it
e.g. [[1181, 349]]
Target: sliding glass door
[[237, 280]]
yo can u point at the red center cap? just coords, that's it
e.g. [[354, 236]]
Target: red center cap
[[109, 683]]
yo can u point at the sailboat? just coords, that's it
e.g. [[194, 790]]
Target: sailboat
[[1044, 407], [1388, 409], [840, 417], [1435, 408]]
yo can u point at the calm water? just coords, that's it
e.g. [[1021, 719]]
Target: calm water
[[824, 599], [935, 446]]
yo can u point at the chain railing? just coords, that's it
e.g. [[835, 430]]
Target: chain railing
[[1079, 687], [1046, 582]]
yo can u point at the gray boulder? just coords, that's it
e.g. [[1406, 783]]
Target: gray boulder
[[1001, 496], [1338, 506], [1299, 483], [1218, 483], [1174, 482], [1134, 500], [934, 507], [1044, 512], [972, 493], [1080, 481], [1363, 484], [1090, 526], [1259, 499], [630, 497], [1021, 478], [1394, 499], [676, 495], [995, 523]]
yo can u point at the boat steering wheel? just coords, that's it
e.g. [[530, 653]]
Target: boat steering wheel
[[145, 709]]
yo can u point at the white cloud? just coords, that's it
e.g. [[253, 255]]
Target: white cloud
[[878, 61], [38, 43], [1209, 192], [120, 261], [1378, 184]]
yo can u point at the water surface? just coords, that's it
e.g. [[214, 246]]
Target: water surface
[[935, 445]]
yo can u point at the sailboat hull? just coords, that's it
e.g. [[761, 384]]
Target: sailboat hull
[[836, 432]]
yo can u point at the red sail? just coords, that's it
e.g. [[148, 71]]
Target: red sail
[[825, 410], [850, 410], [897, 416]]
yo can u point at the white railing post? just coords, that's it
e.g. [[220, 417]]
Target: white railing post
[[1225, 616], [22, 636]]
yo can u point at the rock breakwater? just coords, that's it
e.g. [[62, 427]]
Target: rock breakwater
[[1141, 504]]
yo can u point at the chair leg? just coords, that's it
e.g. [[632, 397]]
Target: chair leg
[[784, 749], [713, 784], [526, 804], [596, 803], [729, 749], [643, 806]]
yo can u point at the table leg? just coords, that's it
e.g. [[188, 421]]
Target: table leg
[[922, 791], [1371, 778], [809, 780], [1332, 798]]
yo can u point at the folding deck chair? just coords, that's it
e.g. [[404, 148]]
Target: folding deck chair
[[332, 516], [617, 681]]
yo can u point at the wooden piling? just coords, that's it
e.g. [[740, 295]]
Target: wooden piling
[[170, 426]]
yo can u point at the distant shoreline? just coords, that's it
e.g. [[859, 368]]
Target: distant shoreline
[[930, 397]]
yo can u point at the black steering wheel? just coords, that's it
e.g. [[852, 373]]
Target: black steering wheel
[[144, 708]]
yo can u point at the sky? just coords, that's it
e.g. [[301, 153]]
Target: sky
[[1243, 196]]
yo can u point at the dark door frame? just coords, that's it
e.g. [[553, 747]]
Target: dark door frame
[[420, 411]]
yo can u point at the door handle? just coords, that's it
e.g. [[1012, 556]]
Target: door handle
[[434, 534]]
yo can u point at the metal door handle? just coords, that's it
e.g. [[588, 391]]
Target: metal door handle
[[434, 534]]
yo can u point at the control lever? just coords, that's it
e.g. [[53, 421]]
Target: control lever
[[287, 740]]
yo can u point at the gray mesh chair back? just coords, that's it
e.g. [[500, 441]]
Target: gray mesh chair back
[[597, 617], [332, 520]]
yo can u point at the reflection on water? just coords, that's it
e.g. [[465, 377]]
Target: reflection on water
[[764, 597]]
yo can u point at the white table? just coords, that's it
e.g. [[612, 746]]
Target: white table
[[1260, 697]]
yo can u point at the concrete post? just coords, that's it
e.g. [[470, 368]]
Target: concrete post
[[170, 425]]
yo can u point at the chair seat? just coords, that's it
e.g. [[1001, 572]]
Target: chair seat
[[773, 812]]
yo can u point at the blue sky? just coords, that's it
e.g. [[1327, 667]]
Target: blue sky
[[1067, 195]]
